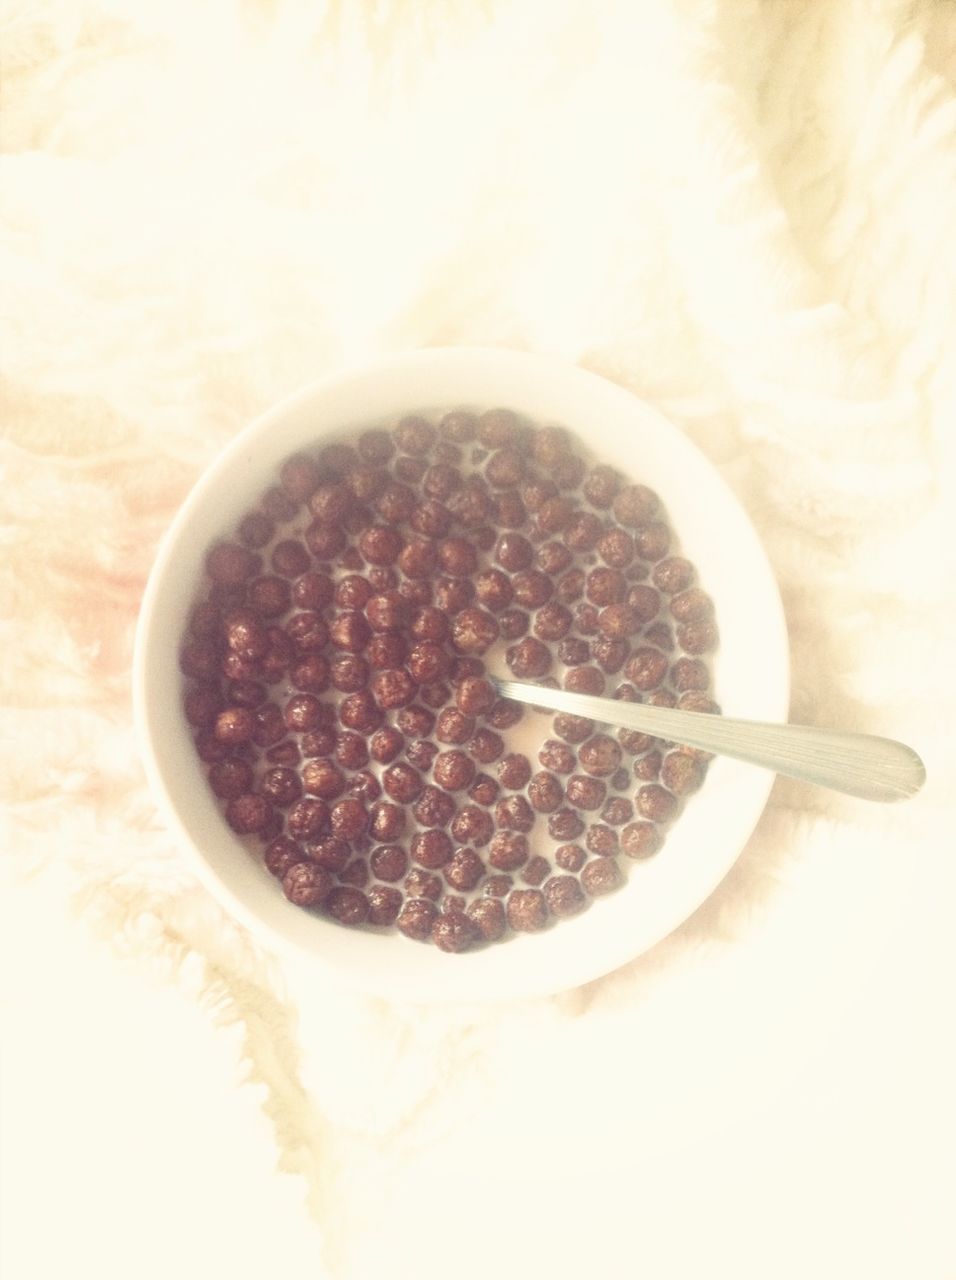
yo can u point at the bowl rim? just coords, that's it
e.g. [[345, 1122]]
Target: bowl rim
[[749, 787]]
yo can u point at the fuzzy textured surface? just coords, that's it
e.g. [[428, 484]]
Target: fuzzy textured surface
[[736, 209]]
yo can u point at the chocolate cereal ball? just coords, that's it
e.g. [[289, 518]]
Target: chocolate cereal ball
[[465, 870], [584, 792], [348, 905], [545, 792], [453, 770], [455, 931], [508, 850], [431, 849], [529, 659], [565, 824], [472, 825], [386, 821], [402, 782], [527, 910], [388, 862], [640, 839], [306, 884], [433, 808], [681, 773], [281, 787], [484, 789], [599, 755], [384, 904], [248, 814], [601, 875], [473, 630], [655, 803], [307, 819], [489, 915], [564, 896], [514, 771], [570, 857]]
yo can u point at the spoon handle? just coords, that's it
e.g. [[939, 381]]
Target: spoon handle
[[855, 763]]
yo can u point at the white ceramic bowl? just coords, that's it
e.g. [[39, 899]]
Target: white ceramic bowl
[[751, 672]]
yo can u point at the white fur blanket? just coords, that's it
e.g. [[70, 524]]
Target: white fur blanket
[[737, 209]]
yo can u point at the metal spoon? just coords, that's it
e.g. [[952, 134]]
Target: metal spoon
[[855, 763]]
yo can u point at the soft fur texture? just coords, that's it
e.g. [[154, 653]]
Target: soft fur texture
[[739, 210]]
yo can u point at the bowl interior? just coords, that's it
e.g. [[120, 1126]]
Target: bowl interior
[[751, 670]]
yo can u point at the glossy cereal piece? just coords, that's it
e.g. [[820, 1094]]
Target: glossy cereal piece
[[384, 904], [497, 886], [307, 819], [681, 773], [634, 505], [545, 792], [504, 714], [281, 854], [648, 767], [514, 813], [570, 857], [431, 849], [313, 591], [508, 850], [454, 931], [415, 721], [465, 870], [486, 746], [689, 675], [230, 564], [618, 809], [565, 825], [536, 870], [655, 803], [453, 726], [589, 680], [529, 659], [433, 808], [489, 915], [347, 905], [673, 575], [601, 839], [616, 548], [281, 786], [697, 637], [527, 910], [230, 778], [472, 825], [557, 756], [584, 792], [306, 884], [640, 840], [600, 755], [359, 711], [514, 552], [484, 790], [386, 821], [572, 729], [234, 726], [564, 896], [514, 771], [473, 630], [388, 862], [248, 814], [573, 651]]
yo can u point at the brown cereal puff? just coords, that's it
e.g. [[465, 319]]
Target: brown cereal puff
[[570, 857], [601, 839], [484, 789], [402, 782], [489, 915], [646, 668], [545, 792], [230, 778], [513, 813], [248, 814], [557, 756], [281, 854], [689, 675], [465, 870], [697, 637], [584, 792], [564, 896], [640, 839], [529, 659], [384, 904], [514, 552], [472, 825], [433, 808], [565, 824], [388, 862], [348, 905], [455, 931], [655, 803], [634, 505], [348, 672], [473, 630], [508, 850], [281, 786], [359, 711], [386, 821], [599, 756], [230, 564], [681, 773], [601, 875], [431, 848], [536, 870], [673, 575], [322, 778], [616, 548], [584, 680], [514, 771], [527, 910], [306, 884], [393, 689]]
